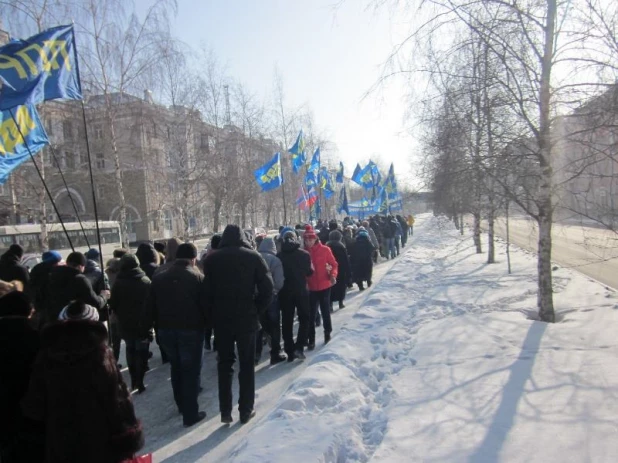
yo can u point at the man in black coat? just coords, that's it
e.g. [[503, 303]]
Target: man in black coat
[[68, 283], [39, 283], [232, 276], [10, 267], [176, 307], [294, 296]]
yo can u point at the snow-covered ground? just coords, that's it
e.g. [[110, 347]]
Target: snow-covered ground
[[441, 360]]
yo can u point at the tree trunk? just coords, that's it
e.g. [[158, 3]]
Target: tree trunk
[[545, 206], [477, 232], [461, 224], [122, 216], [216, 212], [243, 212], [491, 252], [508, 238]]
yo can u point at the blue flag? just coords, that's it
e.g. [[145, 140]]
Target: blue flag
[[357, 173], [381, 205], [40, 68], [14, 148], [310, 180], [314, 167], [390, 184], [269, 175], [339, 178], [343, 202], [326, 183], [365, 178], [376, 177], [299, 156]]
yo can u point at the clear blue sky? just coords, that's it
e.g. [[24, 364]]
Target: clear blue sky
[[328, 55]]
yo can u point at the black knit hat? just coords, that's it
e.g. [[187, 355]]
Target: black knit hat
[[129, 261], [15, 303], [17, 250], [186, 251]]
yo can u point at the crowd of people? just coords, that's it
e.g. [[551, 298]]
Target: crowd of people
[[62, 395]]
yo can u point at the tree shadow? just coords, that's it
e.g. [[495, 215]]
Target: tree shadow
[[521, 370]]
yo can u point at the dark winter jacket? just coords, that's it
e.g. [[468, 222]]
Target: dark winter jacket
[[388, 229], [361, 258], [98, 279], [129, 296], [323, 234], [19, 344], [175, 299], [78, 392], [148, 259], [296, 268], [67, 284], [39, 285], [11, 269], [268, 251], [171, 248], [233, 274], [344, 275]]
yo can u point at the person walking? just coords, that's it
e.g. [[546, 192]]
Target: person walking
[[68, 283], [176, 306], [271, 321], [112, 268], [344, 274], [361, 260], [10, 267], [294, 295], [77, 394], [129, 294], [39, 284], [324, 276], [238, 290]]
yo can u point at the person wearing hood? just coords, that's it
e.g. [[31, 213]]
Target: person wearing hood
[[19, 344], [294, 295], [215, 240], [39, 282], [372, 238], [176, 307], [11, 268], [98, 278], [361, 260], [232, 275], [68, 283], [171, 248], [344, 274], [129, 294], [324, 276], [77, 393], [148, 258], [271, 321]]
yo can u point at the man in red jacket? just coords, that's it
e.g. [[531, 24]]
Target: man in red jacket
[[324, 276]]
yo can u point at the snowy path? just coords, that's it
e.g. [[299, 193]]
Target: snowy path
[[441, 361], [165, 435]]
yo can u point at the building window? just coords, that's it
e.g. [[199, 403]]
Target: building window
[[204, 141], [212, 144], [2, 190], [49, 127], [83, 159], [67, 130], [56, 160], [69, 160], [100, 161], [98, 132]]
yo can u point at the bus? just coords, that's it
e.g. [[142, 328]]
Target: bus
[[29, 235]]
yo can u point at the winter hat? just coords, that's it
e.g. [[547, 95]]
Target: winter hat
[[159, 247], [76, 259], [17, 250], [332, 225], [51, 256], [129, 261], [309, 233], [215, 241], [335, 235], [15, 303], [289, 236], [92, 254], [118, 253], [186, 251], [77, 310], [363, 233], [285, 230]]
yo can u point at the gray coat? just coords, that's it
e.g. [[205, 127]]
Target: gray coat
[[268, 251]]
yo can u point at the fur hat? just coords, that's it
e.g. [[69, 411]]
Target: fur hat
[[77, 310], [129, 261], [309, 233]]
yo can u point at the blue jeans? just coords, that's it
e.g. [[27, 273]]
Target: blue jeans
[[184, 350], [390, 248]]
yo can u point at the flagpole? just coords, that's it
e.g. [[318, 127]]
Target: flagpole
[[49, 195], [94, 198]]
